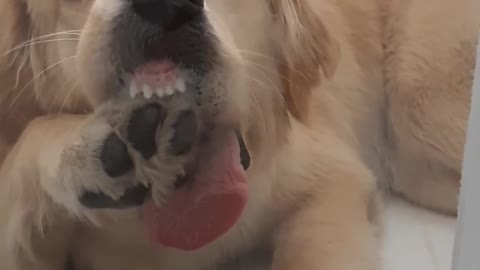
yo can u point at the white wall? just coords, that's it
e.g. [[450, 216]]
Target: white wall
[[467, 242]]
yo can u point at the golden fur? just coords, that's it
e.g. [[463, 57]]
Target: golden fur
[[344, 96]]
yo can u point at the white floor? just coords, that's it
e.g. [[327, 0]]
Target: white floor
[[416, 239]]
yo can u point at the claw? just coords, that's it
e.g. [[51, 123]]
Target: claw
[[133, 197]]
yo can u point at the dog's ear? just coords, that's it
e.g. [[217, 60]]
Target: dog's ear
[[308, 51]]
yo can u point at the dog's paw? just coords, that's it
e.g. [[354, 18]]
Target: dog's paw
[[127, 149]]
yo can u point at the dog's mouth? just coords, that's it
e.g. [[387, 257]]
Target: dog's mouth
[[161, 58], [201, 205], [207, 199]]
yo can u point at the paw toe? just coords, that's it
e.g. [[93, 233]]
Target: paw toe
[[185, 131], [114, 157], [142, 129]]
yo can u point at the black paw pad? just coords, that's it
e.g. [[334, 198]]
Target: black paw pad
[[142, 129], [114, 157], [133, 197], [185, 131]]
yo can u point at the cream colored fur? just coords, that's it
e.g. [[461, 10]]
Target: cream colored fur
[[344, 96]]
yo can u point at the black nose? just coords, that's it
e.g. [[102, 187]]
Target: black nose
[[168, 14]]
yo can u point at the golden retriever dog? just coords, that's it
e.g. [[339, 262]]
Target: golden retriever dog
[[183, 134]]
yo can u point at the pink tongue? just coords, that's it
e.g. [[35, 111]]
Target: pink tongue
[[207, 207]]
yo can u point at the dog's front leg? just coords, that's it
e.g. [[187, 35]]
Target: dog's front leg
[[34, 230], [87, 168], [334, 229]]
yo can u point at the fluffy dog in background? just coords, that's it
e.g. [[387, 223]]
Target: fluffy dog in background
[[162, 134]]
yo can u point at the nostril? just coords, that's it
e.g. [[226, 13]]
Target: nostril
[[169, 14], [178, 2], [200, 3], [158, 12]]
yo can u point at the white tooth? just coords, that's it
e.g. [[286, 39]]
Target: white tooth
[[169, 90], [147, 91], [180, 85], [133, 89], [160, 92]]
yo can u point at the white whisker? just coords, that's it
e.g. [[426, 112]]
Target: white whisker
[[252, 53], [21, 44], [19, 70], [38, 42], [259, 55], [38, 76], [71, 32], [72, 89]]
